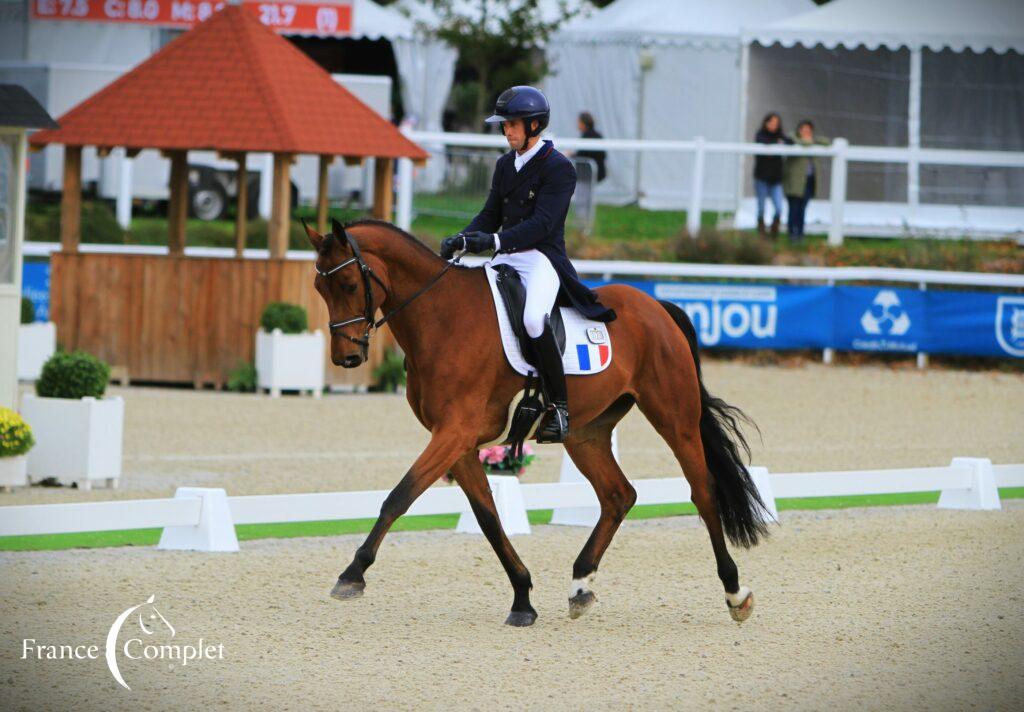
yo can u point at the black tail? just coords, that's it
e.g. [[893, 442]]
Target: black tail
[[740, 508]]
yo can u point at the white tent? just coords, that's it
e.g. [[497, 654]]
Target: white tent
[[658, 69], [913, 73]]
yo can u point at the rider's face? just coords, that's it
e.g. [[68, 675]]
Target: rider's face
[[515, 133]]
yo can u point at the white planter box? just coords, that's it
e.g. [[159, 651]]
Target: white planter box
[[290, 361], [13, 472], [76, 440], [36, 343]]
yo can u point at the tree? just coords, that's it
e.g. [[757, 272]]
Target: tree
[[499, 44]]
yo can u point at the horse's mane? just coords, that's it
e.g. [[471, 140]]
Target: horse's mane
[[373, 222]]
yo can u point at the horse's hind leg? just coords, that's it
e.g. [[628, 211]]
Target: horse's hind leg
[[592, 452], [470, 475], [682, 433]]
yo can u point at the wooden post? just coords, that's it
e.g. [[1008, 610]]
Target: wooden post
[[321, 195], [71, 200], [177, 207], [242, 219], [383, 180], [280, 206]]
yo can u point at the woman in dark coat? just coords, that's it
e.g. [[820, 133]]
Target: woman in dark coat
[[768, 172]]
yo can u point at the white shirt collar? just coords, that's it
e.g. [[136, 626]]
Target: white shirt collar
[[522, 160]]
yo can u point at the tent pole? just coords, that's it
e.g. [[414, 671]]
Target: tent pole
[[177, 209], [280, 210], [914, 130], [744, 82]]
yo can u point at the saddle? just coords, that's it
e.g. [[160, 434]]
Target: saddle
[[513, 294]]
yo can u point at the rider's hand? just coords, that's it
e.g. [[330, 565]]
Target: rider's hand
[[479, 242], [451, 245]]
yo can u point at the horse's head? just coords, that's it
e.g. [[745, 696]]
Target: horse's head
[[352, 290]]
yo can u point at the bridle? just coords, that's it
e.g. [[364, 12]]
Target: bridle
[[367, 274]]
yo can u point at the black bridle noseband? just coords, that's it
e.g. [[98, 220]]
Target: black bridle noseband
[[367, 273]]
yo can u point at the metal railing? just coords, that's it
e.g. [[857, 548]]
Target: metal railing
[[840, 153]]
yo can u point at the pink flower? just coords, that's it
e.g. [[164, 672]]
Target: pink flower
[[527, 450]]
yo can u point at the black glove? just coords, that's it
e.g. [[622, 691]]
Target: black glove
[[479, 242], [451, 245]]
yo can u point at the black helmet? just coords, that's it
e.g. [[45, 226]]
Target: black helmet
[[522, 103]]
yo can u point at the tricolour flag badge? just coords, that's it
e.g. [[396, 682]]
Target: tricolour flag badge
[[592, 356]]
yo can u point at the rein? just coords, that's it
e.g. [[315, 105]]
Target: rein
[[367, 274]]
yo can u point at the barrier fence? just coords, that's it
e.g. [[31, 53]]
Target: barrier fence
[[840, 154], [203, 519]]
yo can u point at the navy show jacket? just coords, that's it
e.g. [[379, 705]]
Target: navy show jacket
[[528, 210]]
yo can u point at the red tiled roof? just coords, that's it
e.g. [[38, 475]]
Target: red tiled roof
[[230, 84]]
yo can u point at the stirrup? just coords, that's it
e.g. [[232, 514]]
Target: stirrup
[[556, 427]]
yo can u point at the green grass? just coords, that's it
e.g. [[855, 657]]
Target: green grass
[[248, 532]]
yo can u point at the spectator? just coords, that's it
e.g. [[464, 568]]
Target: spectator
[[587, 130], [768, 172], [799, 178]]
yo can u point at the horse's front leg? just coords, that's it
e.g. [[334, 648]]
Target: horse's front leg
[[445, 448]]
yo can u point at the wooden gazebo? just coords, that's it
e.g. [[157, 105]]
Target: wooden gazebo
[[233, 86]]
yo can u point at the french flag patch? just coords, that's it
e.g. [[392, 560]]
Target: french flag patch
[[592, 356]]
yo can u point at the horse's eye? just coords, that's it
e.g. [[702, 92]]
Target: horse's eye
[[350, 288]]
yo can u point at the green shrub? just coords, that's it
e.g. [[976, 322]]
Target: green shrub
[[242, 378], [15, 434], [289, 318], [390, 374], [28, 311], [73, 375]]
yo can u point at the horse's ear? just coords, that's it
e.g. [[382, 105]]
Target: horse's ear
[[338, 230], [315, 238]]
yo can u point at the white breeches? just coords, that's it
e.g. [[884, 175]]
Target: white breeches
[[541, 282]]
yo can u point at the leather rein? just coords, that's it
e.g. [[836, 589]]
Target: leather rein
[[367, 274]]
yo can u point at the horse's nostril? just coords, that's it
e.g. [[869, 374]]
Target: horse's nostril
[[352, 361]]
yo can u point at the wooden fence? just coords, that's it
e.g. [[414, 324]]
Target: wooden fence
[[182, 319]]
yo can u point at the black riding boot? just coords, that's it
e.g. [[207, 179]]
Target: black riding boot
[[549, 363]]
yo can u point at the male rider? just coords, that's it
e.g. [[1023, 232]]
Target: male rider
[[523, 221]]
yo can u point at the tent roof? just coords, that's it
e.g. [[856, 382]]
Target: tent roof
[[675, 20], [19, 108], [936, 24], [230, 84]]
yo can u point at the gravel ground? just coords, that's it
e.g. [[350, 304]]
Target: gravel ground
[[812, 418], [888, 608]]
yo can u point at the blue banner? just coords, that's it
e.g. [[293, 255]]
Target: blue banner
[[883, 319], [35, 284]]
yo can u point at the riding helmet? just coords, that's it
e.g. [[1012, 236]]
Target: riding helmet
[[525, 103]]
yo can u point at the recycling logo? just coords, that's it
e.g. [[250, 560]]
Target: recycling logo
[[885, 315]]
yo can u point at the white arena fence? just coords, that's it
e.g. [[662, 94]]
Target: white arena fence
[[203, 519], [947, 219]]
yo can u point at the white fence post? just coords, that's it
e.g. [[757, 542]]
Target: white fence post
[[838, 193], [215, 530], [763, 481], [403, 209], [922, 356], [508, 500], [697, 187], [982, 493]]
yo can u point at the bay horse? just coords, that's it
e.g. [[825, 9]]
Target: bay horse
[[460, 386]]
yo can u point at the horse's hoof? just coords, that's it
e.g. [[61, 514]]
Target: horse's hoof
[[580, 603], [521, 619], [742, 612], [344, 590]]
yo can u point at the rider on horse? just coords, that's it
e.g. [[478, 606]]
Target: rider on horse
[[523, 221]]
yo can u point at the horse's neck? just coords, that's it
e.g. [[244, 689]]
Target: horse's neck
[[431, 315]]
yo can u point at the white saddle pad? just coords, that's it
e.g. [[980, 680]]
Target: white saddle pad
[[588, 346]]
